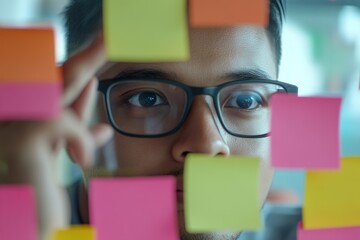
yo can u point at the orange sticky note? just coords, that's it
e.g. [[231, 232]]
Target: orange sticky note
[[27, 55], [210, 13]]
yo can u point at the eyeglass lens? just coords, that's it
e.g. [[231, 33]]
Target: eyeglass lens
[[154, 108]]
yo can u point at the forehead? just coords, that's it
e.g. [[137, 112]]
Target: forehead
[[215, 53]]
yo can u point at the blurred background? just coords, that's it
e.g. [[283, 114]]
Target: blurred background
[[321, 54]]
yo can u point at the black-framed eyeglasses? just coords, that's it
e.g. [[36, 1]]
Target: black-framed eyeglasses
[[158, 107]]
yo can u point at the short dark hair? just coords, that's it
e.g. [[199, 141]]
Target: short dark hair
[[83, 19]]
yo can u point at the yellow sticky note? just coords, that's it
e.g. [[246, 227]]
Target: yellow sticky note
[[143, 30], [80, 232], [332, 198], [221, 193]]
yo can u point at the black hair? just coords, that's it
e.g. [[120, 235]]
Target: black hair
[[83, 19]]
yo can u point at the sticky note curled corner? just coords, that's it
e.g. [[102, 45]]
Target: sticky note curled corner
[[28, 55], [215, 190], [331, 198], [143, 30], [76, 232], [215, 13], [344, 233], [305, 132], [18, 213], [134, 208]]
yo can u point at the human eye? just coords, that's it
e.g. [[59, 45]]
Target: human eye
[[244, 100], [146, 99]]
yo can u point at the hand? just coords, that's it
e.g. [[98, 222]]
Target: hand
[[31, 148]]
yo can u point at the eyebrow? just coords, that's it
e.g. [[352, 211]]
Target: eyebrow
[[255, 73], [150, 73], [147, 73]]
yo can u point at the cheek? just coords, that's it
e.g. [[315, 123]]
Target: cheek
[[261, 148], [141, 156], [266, 176], [250, 147], [132, 152]]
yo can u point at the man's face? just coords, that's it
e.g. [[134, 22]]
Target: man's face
[[215, 53]]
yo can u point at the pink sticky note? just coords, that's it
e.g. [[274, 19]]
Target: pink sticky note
[[345, 233], [305, 132], [38, 101], [134, 208], [17, 213]]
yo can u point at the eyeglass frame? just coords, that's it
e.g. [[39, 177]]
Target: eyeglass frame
[[105, 86]]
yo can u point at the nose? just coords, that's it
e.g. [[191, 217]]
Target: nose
[[201, 132]]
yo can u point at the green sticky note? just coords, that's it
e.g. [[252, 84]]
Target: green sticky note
[[143, 30], [221, 193]]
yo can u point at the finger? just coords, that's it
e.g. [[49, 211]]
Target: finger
[[102, 133], [83, 106], [79, 140], [282, 196], [80, 69]]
